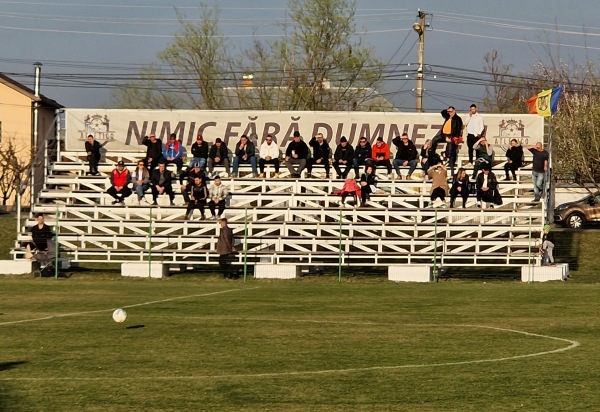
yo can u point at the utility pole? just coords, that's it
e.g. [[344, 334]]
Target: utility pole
[[419, 28]]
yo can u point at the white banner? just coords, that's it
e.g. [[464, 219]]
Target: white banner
[[123, 130]]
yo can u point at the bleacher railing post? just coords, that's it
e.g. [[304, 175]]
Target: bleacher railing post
[[340, 251], [245, 242], [150, 245], [435, 245], [56, 244]]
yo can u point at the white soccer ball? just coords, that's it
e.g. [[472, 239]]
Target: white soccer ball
[[119, 315]]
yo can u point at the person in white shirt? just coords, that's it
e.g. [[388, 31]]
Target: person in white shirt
[[269, 154], [474, 126], [217, 193]]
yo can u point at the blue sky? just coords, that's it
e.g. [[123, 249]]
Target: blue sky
[[84, 44]]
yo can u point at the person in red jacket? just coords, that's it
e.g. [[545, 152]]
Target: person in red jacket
[[381, 155], [119, 179]]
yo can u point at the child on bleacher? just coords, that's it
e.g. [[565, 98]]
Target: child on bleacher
[[350, 188]]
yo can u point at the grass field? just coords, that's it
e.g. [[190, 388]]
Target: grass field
[[195, 343]]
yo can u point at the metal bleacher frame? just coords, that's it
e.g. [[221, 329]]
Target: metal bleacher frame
[[288, 220]]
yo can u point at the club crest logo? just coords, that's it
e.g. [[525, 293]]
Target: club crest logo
[[508, 130], [98, 126]]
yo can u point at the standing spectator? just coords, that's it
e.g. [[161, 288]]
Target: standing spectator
[[343, 157], [460, 187], [406, 155], [514, 159], [217, 194], [153, 151], [485, 156], [539, 169], [368, 184], [141, 181], [173, 152], [362, 152], [41, 233], [199, 152], [245, 152], [218, 155], [119, 181], [439, 183], [452, 128], [269, 154], [197, 198], [225, 249], [487, 188], [92, 148], [321, 153], [161, 183], [296, 155], [186, 179], [381, 155], [547, 247], [475, 128]]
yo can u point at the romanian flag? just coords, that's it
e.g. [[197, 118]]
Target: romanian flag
[[545, 102]]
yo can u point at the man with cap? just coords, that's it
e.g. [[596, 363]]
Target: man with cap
[[153, 151], [381, 155], [119, 180], [173, 152], [199, 152], [218, 156], [343, 158], [406, 155], [186, 179], [321, 153], [217, 195], [296, 155]]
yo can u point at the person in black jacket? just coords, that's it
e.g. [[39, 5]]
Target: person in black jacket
[[245, 152], [198, 193], [487, 188], [460, 187], [406, 155], [343, 157], [321, 153], [296, 155], [199, 152], [161, 183], [154, 151], [362, 152], [41, 233], [451, 129], [218, 155], [92, 148], [514, 159], [368, 183], [186, 179]]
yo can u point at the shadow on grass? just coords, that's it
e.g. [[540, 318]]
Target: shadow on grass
[[4, 366]]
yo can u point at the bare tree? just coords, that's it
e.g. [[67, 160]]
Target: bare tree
[[14, 165]]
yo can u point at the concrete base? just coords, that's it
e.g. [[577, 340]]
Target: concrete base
[[409, 273], [269, 271], [545, 273], [141, 269], [15, 267]]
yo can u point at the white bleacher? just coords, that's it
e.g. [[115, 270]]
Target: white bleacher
[[289, 221]]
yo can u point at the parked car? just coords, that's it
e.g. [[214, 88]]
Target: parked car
[[576, 214]]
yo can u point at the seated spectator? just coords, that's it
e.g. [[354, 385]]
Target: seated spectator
[[321, 154], [218, 155], [514, 159], [362, 152], [186, 179], [199, 152], [217, 193], [173, 152], [41, 233], [439, 183], [406, 155], [296, 155], [368, 183], [425, 164], [269, 155], [381, 155], [119, 181], [484, 154], [460, 187], [351, 188], [343, 158], [245, 153], [92, 149], [487, 188], [197, 198], [153, 151], [160, 180], [141, 181]]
